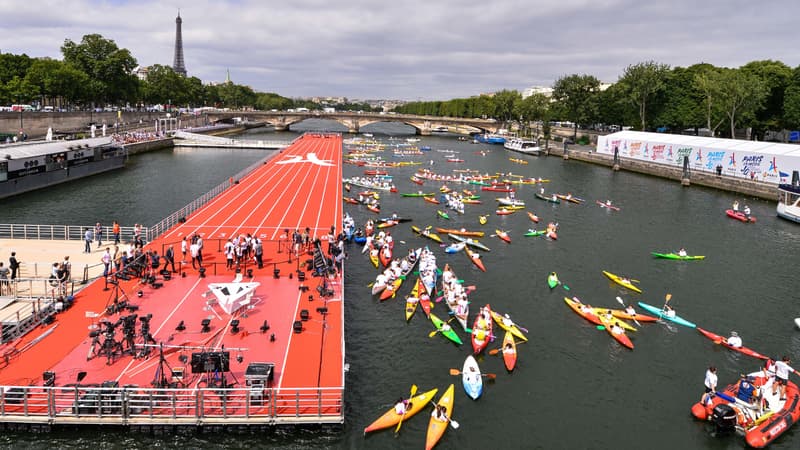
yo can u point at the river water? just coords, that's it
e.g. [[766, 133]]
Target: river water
[[574, 387]]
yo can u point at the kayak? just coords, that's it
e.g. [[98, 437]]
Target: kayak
[[417, 194], [547, 199], [475, 258], [622, 314], [724, 342], [431, 200], [588, 315], [509, 354], [660, 313], [424, 298], [426, 233], [514, 329], [482, 220], [468, 241], [388, 224], [605, 205], [455, 247], [461, 232], [676, 256], [552, 279], [443, 214], [503, 235], [570, 199], [533, 217], [601, 314], [624, 283], [619, 335], [391, 418], [481, 330], [412, 300], [375, 209], [448, 332], [497, 189], [351, 200], [385, 256], [373, 257], [471, 378], [391, 289], [534, 233], [504, 211], [436, 427], [738, 215]]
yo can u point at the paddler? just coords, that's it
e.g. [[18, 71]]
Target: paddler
[[668, 311], [509, 349], [616, 329], [440, 413], [746, 212], [630, 311], [402, 406], [734, 340], [682, 252]]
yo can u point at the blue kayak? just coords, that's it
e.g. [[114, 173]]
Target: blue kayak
[[471, 378], [660, 313]]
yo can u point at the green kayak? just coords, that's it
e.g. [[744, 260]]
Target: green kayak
[[552, 280], [676, 256], [443, 214], [417, 194], [448, 332], [534, 233], [547, 199]]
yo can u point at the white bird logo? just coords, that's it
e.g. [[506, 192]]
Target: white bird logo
[[310, 157]]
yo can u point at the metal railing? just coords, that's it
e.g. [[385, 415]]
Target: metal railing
[[93, 404], [64, 232]]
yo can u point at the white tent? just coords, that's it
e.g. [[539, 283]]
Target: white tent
[[764, 161]]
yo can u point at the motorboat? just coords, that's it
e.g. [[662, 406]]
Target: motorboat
[[490, 138], [789, 201], [522, 145]]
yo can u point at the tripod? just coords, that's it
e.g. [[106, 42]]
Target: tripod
[[160, 379], [117, 305]]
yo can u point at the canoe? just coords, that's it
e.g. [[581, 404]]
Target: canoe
[[738, 215], [604, 205], [471, 378], [475, 258], [373, 257], [417, 194], [622, 314], [620, 335], [721, 340], [617, 279], [436, 428], [431, 200], [461, 232], [497, 189], [503, 235], [481, 335], [547, 199], [570, 199], [350, 200], [391, 418], [504, 211], [676, 256], [442, 214], [375, 209], [533, 217], [388, 223], [514, 329], [426, 233], [449, 333], [660, 313], [468, 241], [482, 220], [534, 233], [509, 351], [552, 279], [588, 315], [458, 311], [455, 247], [600, 312], [395, 219]]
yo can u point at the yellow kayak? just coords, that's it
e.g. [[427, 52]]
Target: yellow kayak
[[513, 329], [622, 282], [482, 219], [436, 427], [391, 418], [601, 313]]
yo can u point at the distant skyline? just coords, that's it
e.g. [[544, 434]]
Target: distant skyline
[[412, 49]]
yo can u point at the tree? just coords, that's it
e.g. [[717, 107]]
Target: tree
[[741, 94], [21, 91], [13, 66], [791, 107], [109, 68], [578, 95], [530, 109], [504, 105], [707, 86], [776, 77], [163, 85], [641, 82], [680, 104]]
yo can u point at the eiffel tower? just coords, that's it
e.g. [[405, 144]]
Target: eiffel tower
[[177, 64]]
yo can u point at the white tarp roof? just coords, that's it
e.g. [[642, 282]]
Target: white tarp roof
[[711, 143]]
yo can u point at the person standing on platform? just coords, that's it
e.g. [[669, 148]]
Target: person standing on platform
[[184, 249], [106, 260], [200, 250], [194, 251], [710, 385], [88, 237], [66, 266], [258, 250], [4, 285], [228, 249], [117, 232], [117, 258], [98, 234], [169, 258], [13, 265]]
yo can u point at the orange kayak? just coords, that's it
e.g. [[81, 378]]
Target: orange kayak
[[460, 232], [475, 258], [436, 427], [510, 354], [391, 418]]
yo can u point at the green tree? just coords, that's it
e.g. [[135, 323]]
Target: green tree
[[163, 85], [504, 102], [641, 83], [741, 94], [578, 96], [21, 90], [12, 65], [791, 107], [109, 68], [680, 102], [776, 77], [530, 109]]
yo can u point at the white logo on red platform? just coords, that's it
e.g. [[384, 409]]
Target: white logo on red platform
[[310, 158]]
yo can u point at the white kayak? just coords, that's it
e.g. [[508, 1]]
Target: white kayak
[[471, 378]]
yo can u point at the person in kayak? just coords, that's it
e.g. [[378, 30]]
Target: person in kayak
[[402, 406], [509, 349], [630, 311], [608, 202], [682, 252], [782, 369], [507, 321], [734, 340], [746, 212], [668, 311], [710, 385], [440, 413]]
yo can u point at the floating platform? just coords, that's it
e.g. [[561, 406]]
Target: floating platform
[[217, 346]]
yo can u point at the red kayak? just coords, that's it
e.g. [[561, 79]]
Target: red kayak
[[424, 298], [509, 351], [481, 330], [723, 342], [497, 189], [606, 205], [738, 215], [588, 314]]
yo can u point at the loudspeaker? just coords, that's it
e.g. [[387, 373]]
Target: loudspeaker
[[298, 326], [304, 314], [322, 310]]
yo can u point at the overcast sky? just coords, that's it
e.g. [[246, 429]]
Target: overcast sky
[[412, 49]]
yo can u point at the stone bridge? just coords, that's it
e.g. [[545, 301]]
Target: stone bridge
[[424, 125]]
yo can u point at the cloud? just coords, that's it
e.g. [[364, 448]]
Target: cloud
[[412, 49]]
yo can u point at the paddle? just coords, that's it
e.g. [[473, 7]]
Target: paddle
[[566, 288], [623, 304], [399, 424], [664, 308], [490, 376]]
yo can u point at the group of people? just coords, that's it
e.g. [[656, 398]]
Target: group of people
[[774, 377], [745, 211], [455, 295], [8, 273], [242, 248]]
